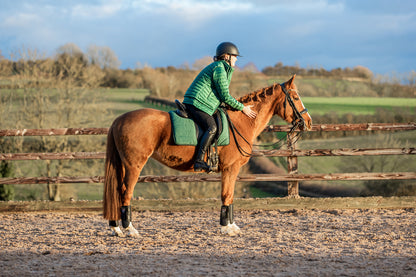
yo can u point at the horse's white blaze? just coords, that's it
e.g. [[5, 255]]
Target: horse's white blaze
[[131, 231], [230, 229], [117, 231], [303, 107]]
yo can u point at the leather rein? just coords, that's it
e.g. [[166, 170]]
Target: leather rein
[[297, 122]]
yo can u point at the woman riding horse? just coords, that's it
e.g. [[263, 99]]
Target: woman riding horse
[[136, 136], [209, 89]]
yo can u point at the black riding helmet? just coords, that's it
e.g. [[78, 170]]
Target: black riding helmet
[[227, 48]]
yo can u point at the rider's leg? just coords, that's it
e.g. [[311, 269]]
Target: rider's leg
[[208, 124], [205, 143]]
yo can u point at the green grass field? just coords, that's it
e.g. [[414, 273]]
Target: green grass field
[[123, 100], [120, 101], [354, 105], [129, 99]]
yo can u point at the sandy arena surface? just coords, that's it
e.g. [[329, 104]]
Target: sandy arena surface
[[347, 242]]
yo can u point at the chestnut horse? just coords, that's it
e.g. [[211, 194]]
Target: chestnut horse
[[136, 136]]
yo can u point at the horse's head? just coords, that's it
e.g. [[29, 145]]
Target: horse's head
[[293, 109]]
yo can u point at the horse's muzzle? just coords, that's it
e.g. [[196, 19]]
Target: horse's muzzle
[[303, 125]]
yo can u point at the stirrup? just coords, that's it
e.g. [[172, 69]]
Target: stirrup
[[201, 166]]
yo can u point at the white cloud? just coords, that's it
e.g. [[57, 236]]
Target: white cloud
[[294, 8], [395, 23], [191, 11], [100, 10], [267, 30], [21, 20]]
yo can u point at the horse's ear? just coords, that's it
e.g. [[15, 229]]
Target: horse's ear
[[291, 80]]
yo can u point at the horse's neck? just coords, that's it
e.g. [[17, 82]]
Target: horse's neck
[[265, 111], [265, 108]]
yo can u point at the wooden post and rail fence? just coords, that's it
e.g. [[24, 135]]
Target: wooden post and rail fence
[[292, 153]]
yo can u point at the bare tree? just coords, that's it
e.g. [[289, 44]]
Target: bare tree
[[102, 56], [56, 94], [250, 67], [411, 79], [70, 49], [201, 63]]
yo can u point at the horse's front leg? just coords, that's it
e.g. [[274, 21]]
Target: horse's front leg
[[228, 226], [126, 221]]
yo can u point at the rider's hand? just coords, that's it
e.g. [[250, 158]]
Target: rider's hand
[[249, 112]]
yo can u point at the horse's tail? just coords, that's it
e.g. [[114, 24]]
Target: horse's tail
[[112, 180]]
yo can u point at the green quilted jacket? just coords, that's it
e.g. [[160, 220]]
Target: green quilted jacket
[[210, 88]]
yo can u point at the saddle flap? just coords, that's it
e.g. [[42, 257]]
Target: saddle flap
[[185, 131], [218, 121]]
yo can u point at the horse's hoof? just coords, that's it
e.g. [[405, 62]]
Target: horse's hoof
[[131, 231], [230, 230], [116, 231]]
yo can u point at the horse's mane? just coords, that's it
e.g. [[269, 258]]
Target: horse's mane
[[256, 96]]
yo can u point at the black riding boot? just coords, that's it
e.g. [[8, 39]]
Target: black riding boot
[[206, 142]]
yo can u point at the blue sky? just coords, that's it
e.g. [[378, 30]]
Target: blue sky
[[378, 34]]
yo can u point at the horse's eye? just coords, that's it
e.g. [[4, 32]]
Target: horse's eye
[[296, 98]]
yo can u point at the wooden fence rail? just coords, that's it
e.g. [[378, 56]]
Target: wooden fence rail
[[217, 178], [292, 153], [53, 132], [256, 153], [270, 128]]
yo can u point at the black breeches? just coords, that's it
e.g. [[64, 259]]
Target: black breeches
[[204, 120]]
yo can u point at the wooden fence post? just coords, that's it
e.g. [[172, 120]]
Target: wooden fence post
[[292, 166]]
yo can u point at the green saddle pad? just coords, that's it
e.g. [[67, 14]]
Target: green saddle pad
[[184, 130]]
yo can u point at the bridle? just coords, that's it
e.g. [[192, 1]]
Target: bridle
[[297, 123], [288, 99]]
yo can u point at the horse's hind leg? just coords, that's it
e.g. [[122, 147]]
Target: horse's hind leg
[[130, 180], [115, 228], [131, 175]]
